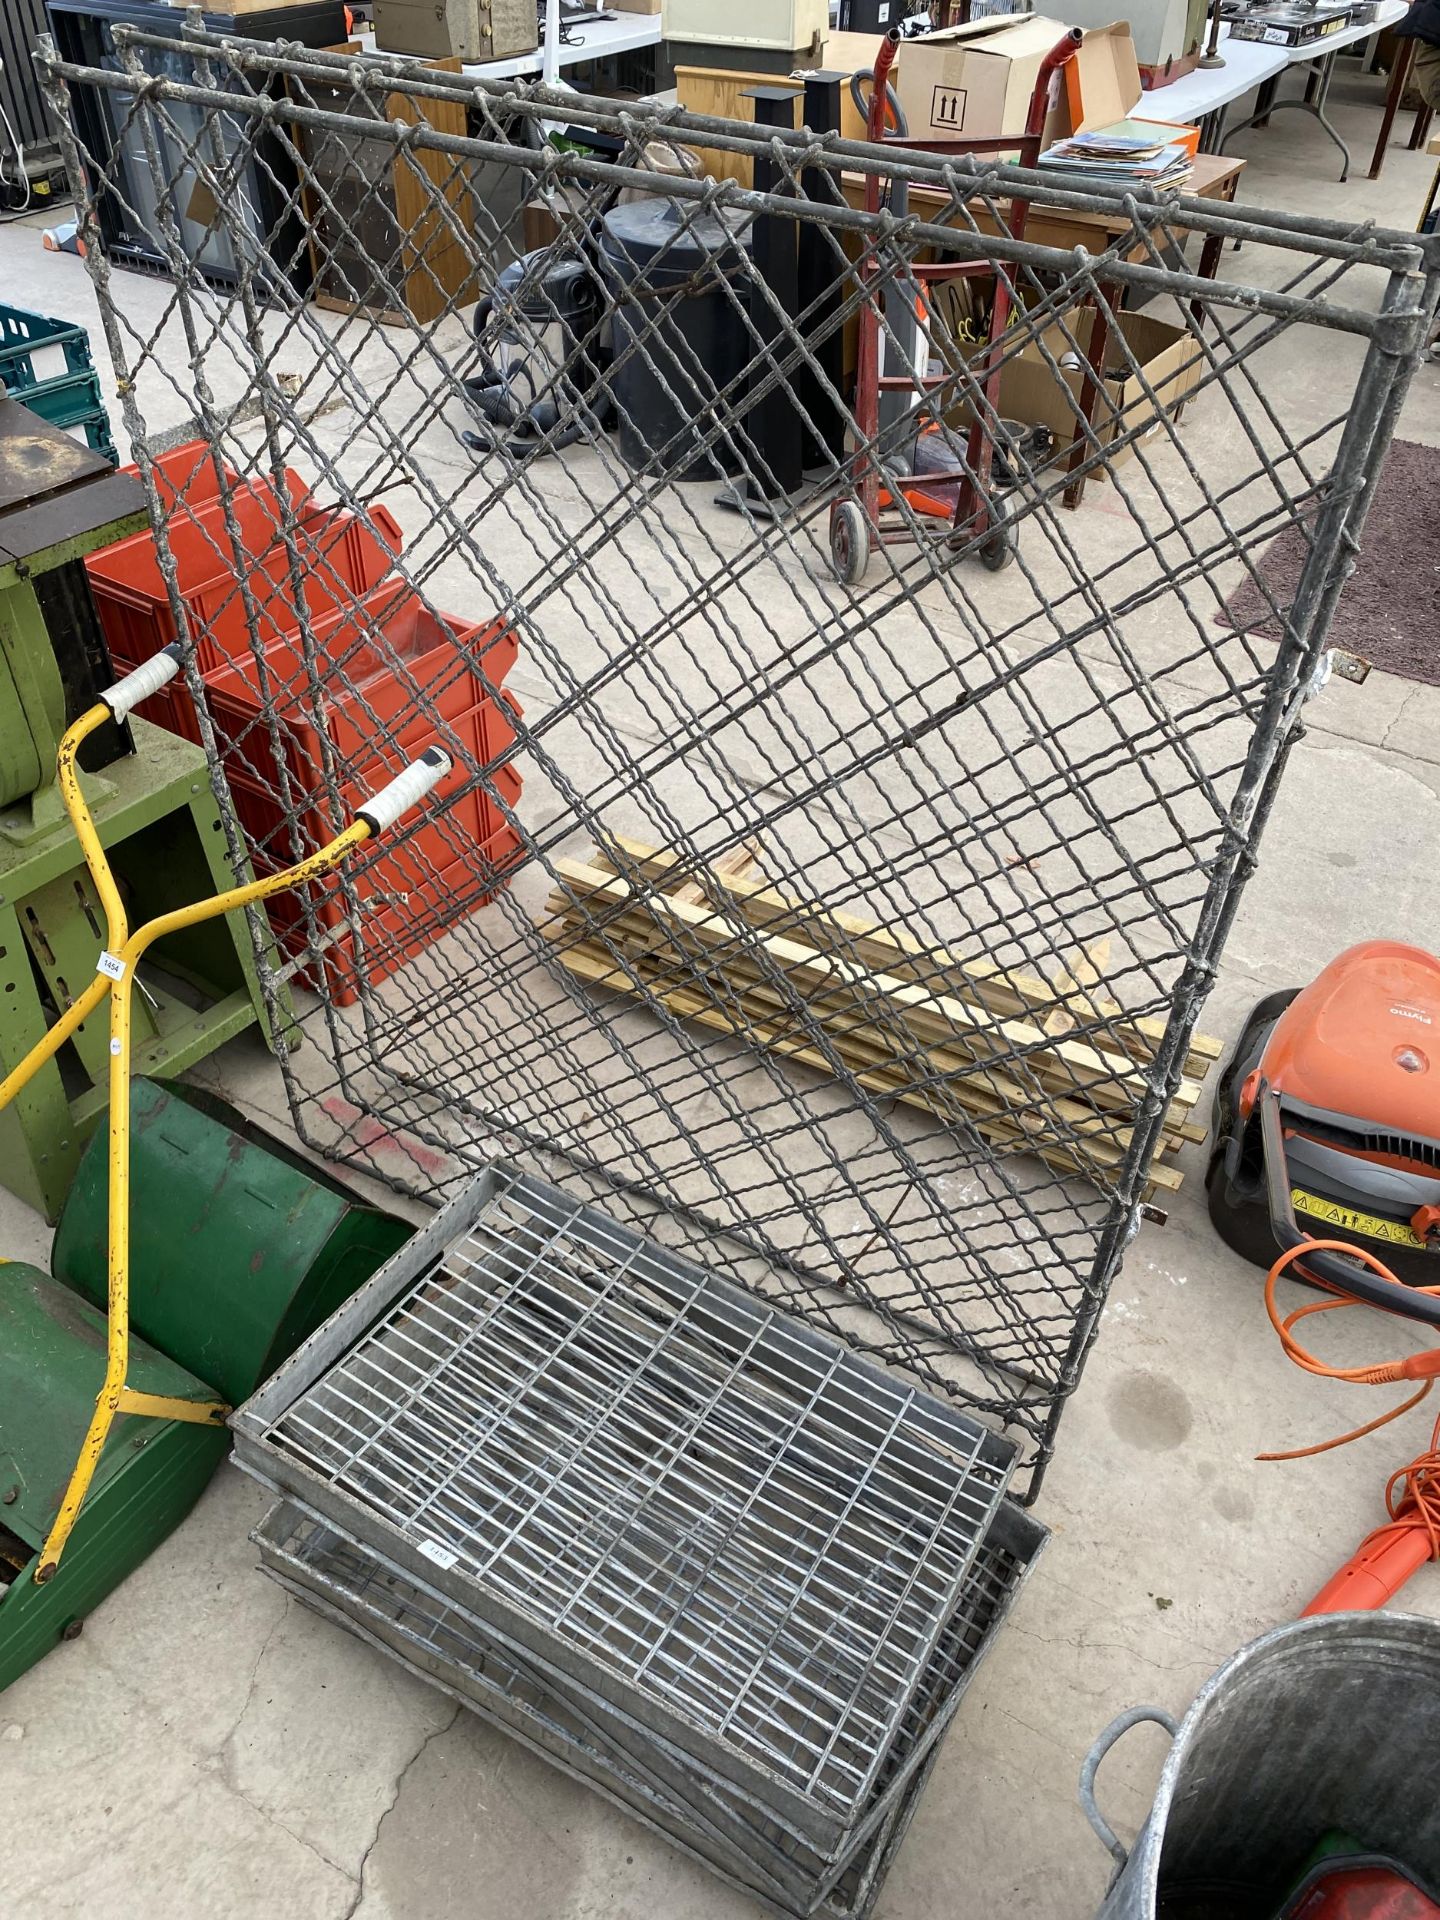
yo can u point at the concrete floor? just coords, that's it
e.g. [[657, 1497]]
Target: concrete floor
[[206, 1746]]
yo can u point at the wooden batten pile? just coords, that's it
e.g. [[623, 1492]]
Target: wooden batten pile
[[968, 1041]]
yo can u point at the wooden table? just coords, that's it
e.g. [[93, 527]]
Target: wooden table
[[1215, 177]]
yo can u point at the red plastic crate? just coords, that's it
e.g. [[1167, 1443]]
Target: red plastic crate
[[199, 539], [187, 476], [339, 555], [413, 889], [484, 731], [395, 679], [402, 913], [341, 558], [386, 675], [374, 658]]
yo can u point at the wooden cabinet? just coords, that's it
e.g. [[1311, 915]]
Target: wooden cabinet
[[391, 228]]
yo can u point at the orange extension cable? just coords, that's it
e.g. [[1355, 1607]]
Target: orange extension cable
[[1388, 1556]]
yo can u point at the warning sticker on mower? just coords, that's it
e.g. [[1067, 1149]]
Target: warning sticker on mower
[[1335, 1215]]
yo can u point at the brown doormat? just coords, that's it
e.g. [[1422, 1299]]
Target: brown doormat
[[1390, 608]]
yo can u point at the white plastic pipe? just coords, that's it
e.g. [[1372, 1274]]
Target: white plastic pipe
[[157, 672], [406, 790]]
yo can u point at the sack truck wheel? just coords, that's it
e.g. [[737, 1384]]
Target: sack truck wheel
[[849, 543], [1000, 546]]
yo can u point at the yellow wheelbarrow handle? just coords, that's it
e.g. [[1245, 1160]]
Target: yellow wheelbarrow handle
[[115, 975]]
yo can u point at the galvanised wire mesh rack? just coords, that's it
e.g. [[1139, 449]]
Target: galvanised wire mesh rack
[[1034, 793], [793, 994], [734, 1528]]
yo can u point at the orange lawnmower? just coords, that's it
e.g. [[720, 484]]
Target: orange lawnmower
[[935, 473], [1327, 1145]]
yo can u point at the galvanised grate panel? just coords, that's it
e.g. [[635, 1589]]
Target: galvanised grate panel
[[747, 1528], [349, 1584]]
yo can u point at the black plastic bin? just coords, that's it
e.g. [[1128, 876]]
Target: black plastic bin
[[680, 332]]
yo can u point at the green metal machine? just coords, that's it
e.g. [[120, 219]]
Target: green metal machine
[[151, 799], [240, 1249]]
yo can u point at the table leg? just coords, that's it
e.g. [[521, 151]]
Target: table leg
[[1430, 200], [1213, 131], [1420, 132], [1394, 93], [1305, 104], [1265, 99], [1317, 107], [1210, 253]]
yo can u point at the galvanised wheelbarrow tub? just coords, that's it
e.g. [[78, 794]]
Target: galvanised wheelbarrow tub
[[1325, 1725]]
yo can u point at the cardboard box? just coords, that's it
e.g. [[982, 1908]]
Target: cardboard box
[[973, 82], [1103, 84], [466, 29], [1172, 361], [637, 6], [1167, 33]]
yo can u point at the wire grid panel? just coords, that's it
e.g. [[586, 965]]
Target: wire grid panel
[[349, 1584], [741, 1530], [915, 1070]]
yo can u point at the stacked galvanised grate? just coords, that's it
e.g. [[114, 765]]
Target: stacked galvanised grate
[[692, 1550]]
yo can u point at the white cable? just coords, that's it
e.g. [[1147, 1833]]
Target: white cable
[[19, 152]]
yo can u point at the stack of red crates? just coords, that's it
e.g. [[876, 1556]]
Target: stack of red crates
[[384, 679]]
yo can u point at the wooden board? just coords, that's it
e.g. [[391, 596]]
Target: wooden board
[[1005, 991], [973, 1044], [430, 205], [936, 1018], [717, 92], [1090, 1158], [429, 201], [919, 1045]]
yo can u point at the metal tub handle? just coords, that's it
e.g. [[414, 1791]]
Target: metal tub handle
[[1118, 1727]]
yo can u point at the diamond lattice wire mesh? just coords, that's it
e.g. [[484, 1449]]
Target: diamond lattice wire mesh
[[849, 934]]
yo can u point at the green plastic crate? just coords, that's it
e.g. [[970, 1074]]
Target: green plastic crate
[[70, 399]]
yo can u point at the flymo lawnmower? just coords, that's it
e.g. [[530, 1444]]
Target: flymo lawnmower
[[1327, 1127], [113, 1397], [1326, 1166]]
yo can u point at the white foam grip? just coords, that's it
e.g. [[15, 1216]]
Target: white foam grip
[[158, 671], [406, 790]]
